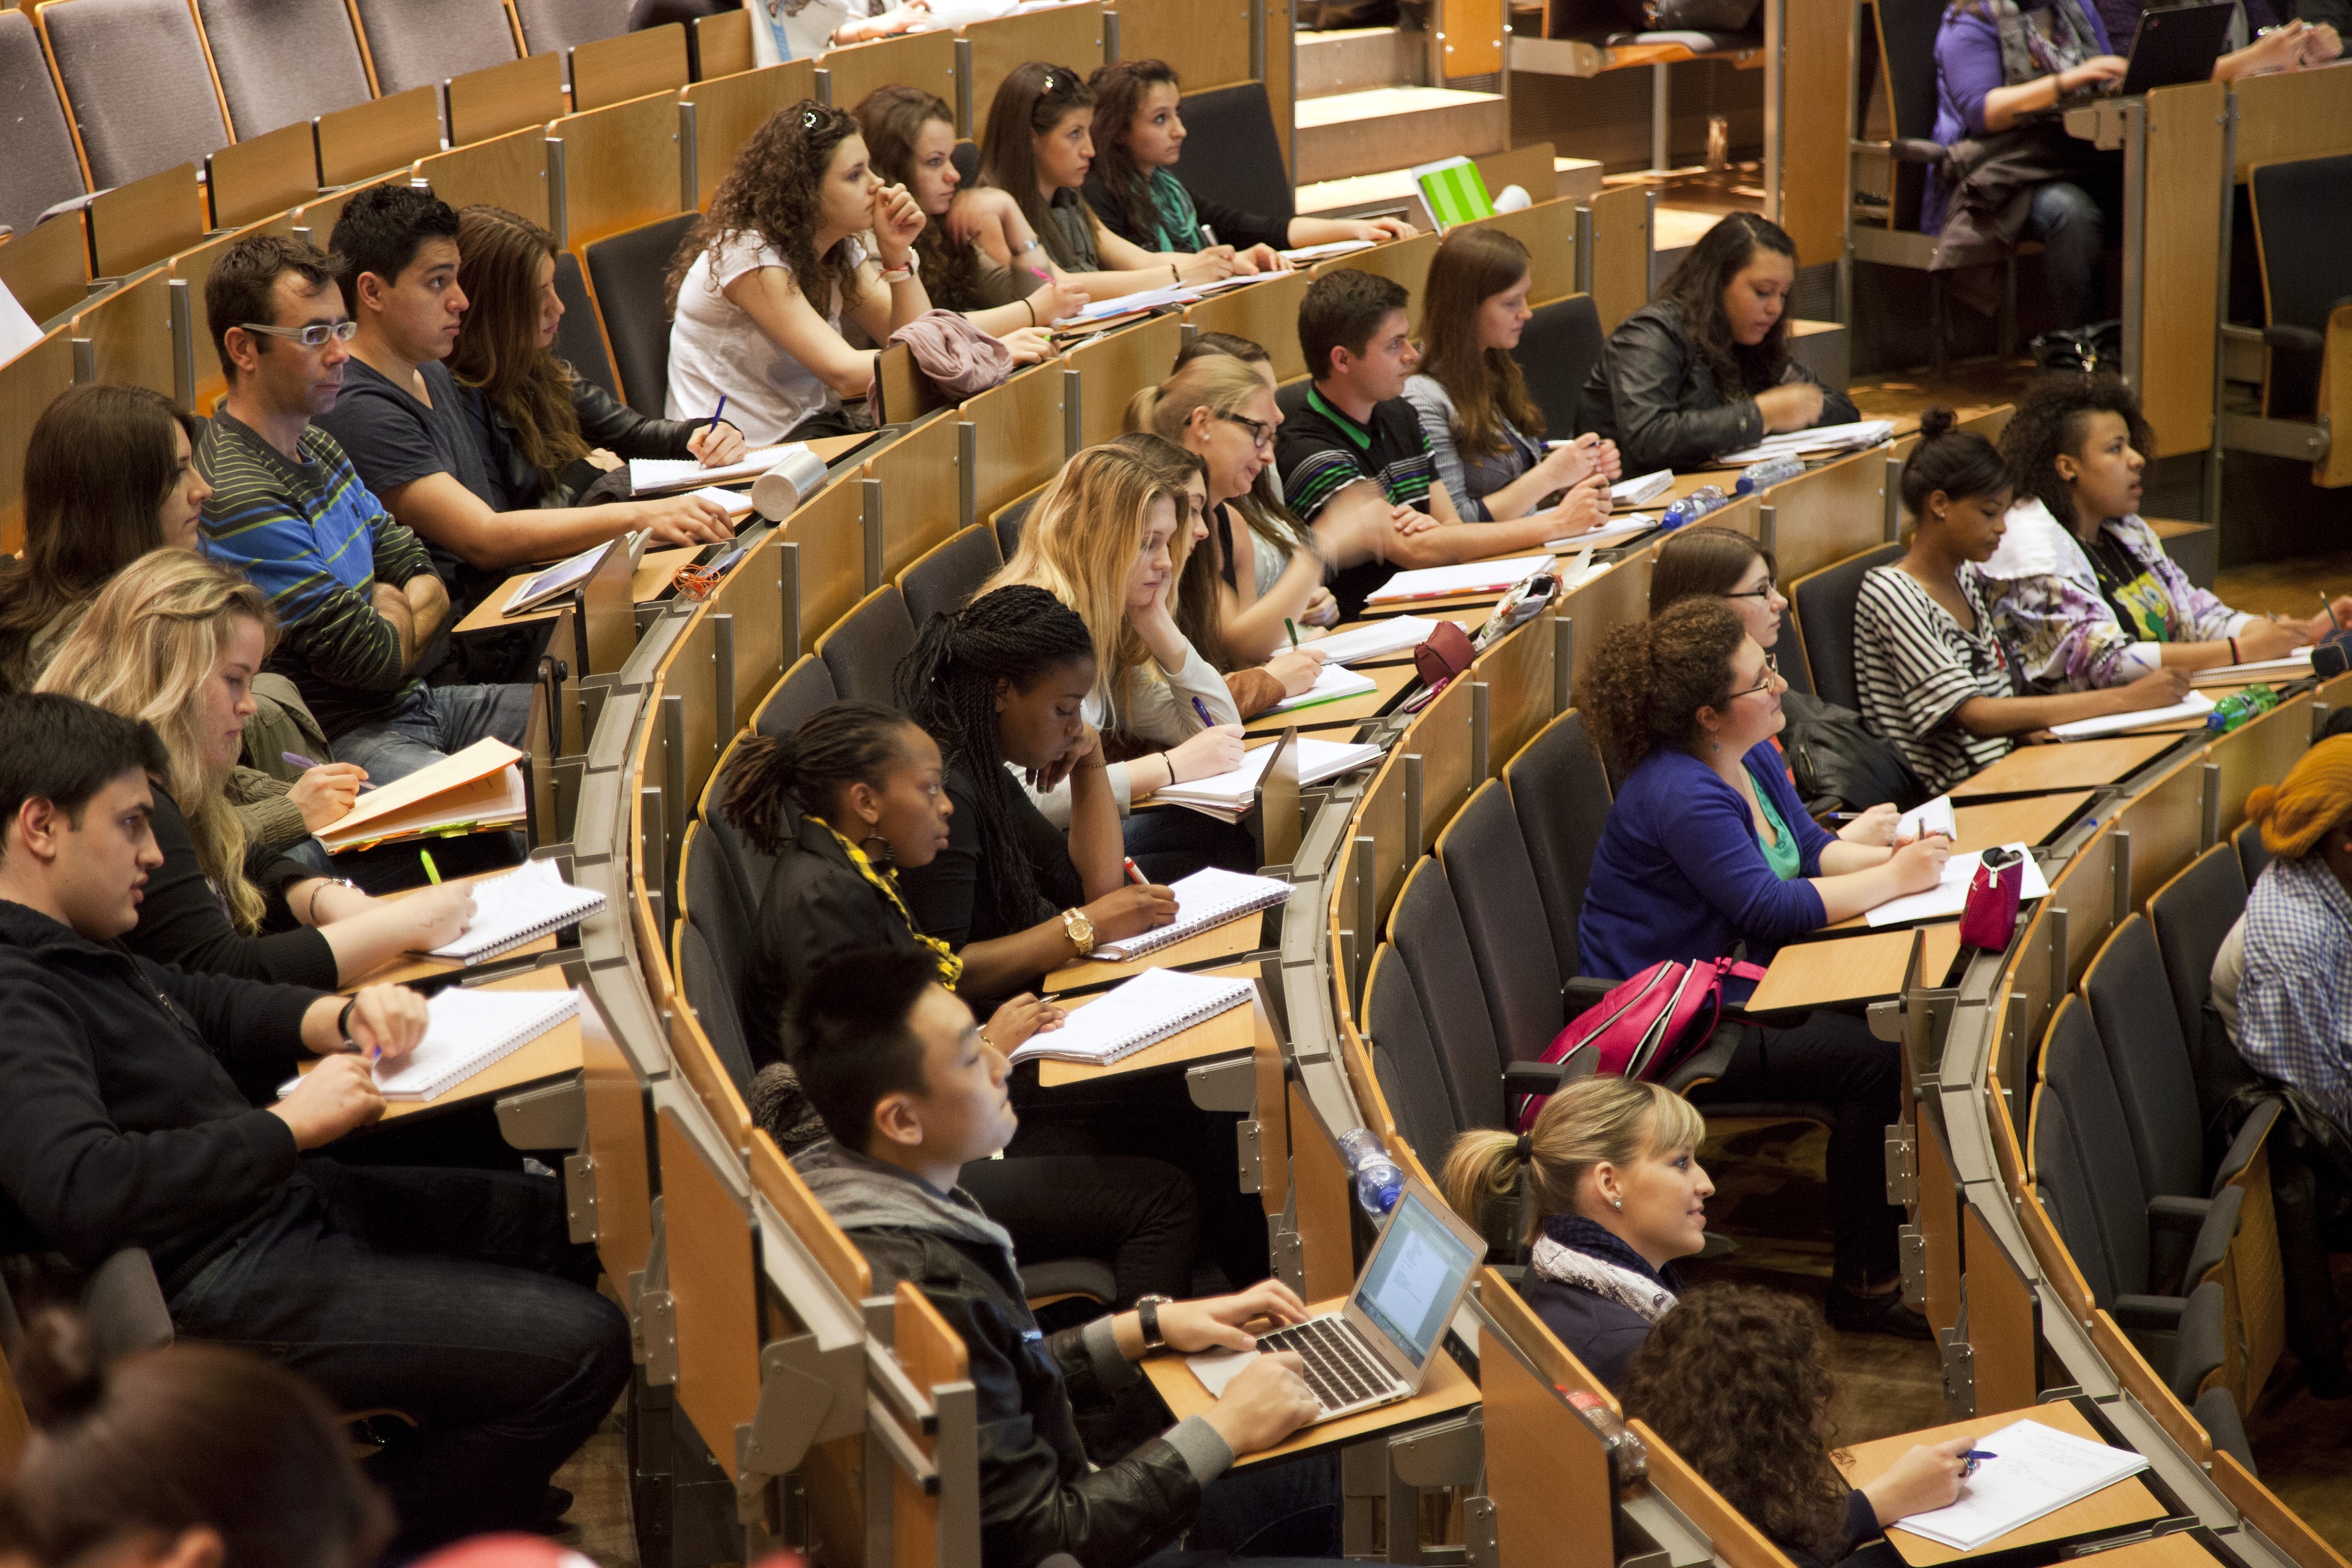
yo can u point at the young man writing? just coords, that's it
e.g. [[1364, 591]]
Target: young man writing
[[1354, 461], [442, 1293], [360, 605], [402, 417], [912, 1094]]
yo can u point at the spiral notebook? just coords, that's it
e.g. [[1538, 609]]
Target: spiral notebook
[[470, 1030], [1205, 900], [1140, 1012], [518, 908]]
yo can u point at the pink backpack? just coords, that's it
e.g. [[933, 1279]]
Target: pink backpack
[[1648, 1025]]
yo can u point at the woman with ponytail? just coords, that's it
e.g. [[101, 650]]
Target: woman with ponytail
[[190, 1455], [1933, 675], [1708, 847], [1002, 683], [1615, 1194]]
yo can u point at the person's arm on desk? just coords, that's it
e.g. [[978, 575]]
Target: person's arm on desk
[[444, 511], [339, 1096], [1925, 1478], [2005, 106], [364, 933]]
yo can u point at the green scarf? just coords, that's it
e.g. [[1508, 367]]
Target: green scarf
[[886, 884], [1180, 222]]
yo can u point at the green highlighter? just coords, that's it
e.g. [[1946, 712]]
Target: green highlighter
[[432, 872]]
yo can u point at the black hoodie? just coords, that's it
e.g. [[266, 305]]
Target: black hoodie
[[120, 1125]]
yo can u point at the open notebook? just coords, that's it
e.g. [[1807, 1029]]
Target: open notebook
[[1373, 639], [518, 907], [1229, 796], [1470, 577], [477, 787], [652, 475], [1140, 1012], [1205, 900], [2034, 1471], [1332, 682], [471, 1029]]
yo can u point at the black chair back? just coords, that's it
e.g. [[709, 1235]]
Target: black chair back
[[1008, 524], [2107, 1216], [1405, 1058], [1561, 792], [1426, 927], [1247, 170], [947, 576], [865, 647], [2254, 855], [806, 687], [1495, 887], [627, 272], [2192, 915], [1558, 349], [713, 1001], [1824, 608], [1907, 31], [2131, 1003], [579, 341]]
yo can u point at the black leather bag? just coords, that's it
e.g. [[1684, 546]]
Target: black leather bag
[[2084, 351], [1698, 15], [1834, 758]]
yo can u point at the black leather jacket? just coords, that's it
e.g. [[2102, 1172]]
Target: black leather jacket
[[1653, 394], [604, 421], [1038, 1494]]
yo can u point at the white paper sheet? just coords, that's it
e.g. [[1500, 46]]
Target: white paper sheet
[[1469, 577], [2294, 666], [1373, 639], [2035, 1471], [18, 331], [1640, 487], [1321, 252], [1821, 439], [2195, 705], [648, 475], [1610, 532], [1936, 816], [1317, 762], [1332, 682], [1950, 896]]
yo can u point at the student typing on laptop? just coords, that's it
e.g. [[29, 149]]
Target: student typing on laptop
[[912, 1093]]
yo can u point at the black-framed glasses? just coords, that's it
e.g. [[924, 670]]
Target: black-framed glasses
[[1764, 592], [313, 336], [1261, 433]]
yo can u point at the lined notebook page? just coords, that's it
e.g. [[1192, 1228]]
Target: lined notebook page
[[470, 1030], [519, 907], [1470, 577], [1137, 1012], [1205, 900]]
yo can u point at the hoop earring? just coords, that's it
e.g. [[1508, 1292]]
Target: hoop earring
[[885, 861]]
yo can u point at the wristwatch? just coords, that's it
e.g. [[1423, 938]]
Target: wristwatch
[[900, 274], [1081, 930], [1147, 1312]]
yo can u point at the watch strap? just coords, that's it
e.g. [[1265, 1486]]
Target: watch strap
[[1147, 1313]]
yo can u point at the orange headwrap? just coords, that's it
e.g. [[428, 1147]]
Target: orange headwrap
[[2315, 794]]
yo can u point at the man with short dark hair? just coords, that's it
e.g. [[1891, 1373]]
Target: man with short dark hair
[[1354, 461], [454, 1296], [912, 1093], [361, 605], [406, 425]]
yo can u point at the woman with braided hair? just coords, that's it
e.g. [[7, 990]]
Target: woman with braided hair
[[1000, 684]]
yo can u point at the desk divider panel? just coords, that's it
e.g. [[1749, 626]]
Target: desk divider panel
[[2259, 752], [375, 138], [713, 1253], [2257, 1281], [933, 1354], [210, 382], [703, 1073], [1404, 261], [1207, 41], [1520, 680], [773, 1178], [722, 45], [1810, 71], [1827, 514], [2292, 114], [2004, 1322], [1531, 167], [1737, 1543], [620, 168], [1549, 231], [130, 335], [628, 65], [2060, 1276], [1017, 428], [2033, 994], [249, 180], [753, 595], [318, 217], [830, 532], [1266, 313], [27, 384], [1068, 36], [2279, 1524], [1323, 1194], [507, 170], [2166, 822], [2007, 1155], [615, 1148], [1620, 253], [1939, 1218], [46, 268], [1604, 600], [927, 60], [1114, 367], [139, 224], [2086, 889], [2180, 265], [496, 99], [1547, 1474], [922, 479], [691, 671]]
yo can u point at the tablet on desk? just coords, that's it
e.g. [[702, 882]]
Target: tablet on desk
[[565, 575]]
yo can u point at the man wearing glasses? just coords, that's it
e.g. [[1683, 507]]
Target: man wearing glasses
[[360, 607]]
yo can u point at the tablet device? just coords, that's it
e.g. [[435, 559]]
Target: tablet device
[[2177, 45], [558, 580]]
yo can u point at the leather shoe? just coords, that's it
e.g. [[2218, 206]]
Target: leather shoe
[[1857, 1313]]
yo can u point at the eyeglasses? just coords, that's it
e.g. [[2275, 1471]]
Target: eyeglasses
[[1772, 678], [1764, 592], [1261, 433], [313, 336]]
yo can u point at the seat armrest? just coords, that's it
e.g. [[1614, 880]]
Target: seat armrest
[[2201, 1342], [1916, 149], [1584, 991], [2298, 340], [1544, 1078], [2213, 1236], [2179, 1213], [2249, 1141], [2159, 1314]]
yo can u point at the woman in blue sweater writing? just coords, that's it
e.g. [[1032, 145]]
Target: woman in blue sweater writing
[[1707, 846]]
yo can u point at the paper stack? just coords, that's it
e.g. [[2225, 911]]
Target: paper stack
[[1373, 639], [1470, 577], [1228, 797], [478, 788], [1205, 900], [1822, 441], [652, 476], [2195, 705]]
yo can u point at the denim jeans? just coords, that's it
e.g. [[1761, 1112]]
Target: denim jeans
[[431, 722], [1268, 1516], [451, 1296], [2072, 226], [1137, 1215]]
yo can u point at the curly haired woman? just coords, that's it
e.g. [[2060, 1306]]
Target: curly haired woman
[[1735, 1381], [801, 232]]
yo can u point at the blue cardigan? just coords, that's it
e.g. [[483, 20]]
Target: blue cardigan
[[1679, 874]]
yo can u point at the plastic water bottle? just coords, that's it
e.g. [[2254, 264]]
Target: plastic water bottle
[[1771, 471], [1694, 506], [2241, 706], [1377, 1179]]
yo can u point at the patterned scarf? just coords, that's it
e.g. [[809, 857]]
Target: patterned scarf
[[886, 884], [1180, 221], [1574, 1250], [2025, 54]]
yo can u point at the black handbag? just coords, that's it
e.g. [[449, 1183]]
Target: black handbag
[[1835, 758]]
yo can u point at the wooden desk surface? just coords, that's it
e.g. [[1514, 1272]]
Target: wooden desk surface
[[2084, 765], [2029, 819], [414, 967], [1233, 1032], [1447, 1389], [648, 583], [2124, 1503], [553, 1055], [1389, 681], [1850, 969], [1236, 936]]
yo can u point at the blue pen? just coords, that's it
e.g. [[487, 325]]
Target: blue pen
[[1203, 710], [306, 765], [715, 412], [1972, 1455]]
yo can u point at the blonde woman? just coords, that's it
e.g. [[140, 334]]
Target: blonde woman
[[176, 640], [1616, 1194]]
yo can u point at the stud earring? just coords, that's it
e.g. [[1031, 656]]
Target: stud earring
[[1620, 1205]]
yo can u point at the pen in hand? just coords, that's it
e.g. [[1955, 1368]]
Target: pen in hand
[[1135, 873], [715, 412], [1292, 628], [296, 759], [1203, 710]]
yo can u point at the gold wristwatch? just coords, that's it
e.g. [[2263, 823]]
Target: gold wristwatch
[[1081, 930]]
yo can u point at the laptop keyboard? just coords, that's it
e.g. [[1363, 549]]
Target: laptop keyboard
[[1339, 1373]]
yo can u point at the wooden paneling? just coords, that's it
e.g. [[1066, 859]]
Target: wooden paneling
[[691, 671], [1207, 41], [713, 1259], [628, 65], [615, 1103], [1404, 261], [1544, 1464], [1825, 515], [698, 1066], [129, 333], [921, 480], [1531, 168], [2139, 1380], [1597, 606], [1114, 367], [932, 1354], [492, 101], [1620, 253], [1266, 313], [2258, 752], [251, 180], [1068, 36], [1019, 431], [1281, 73], [1816, 72], [2003, 1330], [1938, 1215], [1323, 1195], [1474, 41], [27, 383], [2180, 263], [729, 109], [722, 44], [508, 171], [830, 532], [47, 267], [2298, 114], [2058, 1275], [2166, 822], [753, 595], [2257, 1278], [926, 60], [371, 139], [1549, 231], [2283, 1527], [620, 168], [1737, 1543], [1517, 674], [139, 224]]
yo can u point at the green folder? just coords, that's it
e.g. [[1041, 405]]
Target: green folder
[[1454, 191]]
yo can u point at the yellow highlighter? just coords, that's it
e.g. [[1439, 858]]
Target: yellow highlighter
[[432, 872]]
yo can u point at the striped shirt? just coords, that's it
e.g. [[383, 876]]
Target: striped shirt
[[312, 539], [2294, 1005], [1321, 452], [1913, 665]]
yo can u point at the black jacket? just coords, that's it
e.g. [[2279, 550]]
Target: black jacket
[[1653, 394], [1601, 1333], [121, 1126], [1230, 224], [815, 905], [183, 922], [604, 421]]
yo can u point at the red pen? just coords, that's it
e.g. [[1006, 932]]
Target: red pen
[[1136, 872]]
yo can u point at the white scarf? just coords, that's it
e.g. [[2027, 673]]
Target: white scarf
[[1602, 1278]]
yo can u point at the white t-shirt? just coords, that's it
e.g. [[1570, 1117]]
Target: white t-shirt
[[716, 347]]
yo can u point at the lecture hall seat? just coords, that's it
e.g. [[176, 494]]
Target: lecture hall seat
[[424, 43], [558, 25], [283, 61], [1558, 349], [627, 272], [135, 78], [42, 168]]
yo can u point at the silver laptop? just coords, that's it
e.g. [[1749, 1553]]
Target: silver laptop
[[1378, 1348]]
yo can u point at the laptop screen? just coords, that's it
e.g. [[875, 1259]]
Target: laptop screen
[[1414, 1277]]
